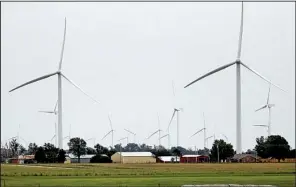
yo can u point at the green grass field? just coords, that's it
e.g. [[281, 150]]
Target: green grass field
[[281, 174]]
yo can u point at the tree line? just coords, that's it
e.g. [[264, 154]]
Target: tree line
[[274, 146]]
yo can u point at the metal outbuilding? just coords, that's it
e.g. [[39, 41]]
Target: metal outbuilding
[[133, 157], [194, 158]]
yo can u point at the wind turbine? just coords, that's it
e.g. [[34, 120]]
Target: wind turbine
[[60, 75], [132, 134], [268, 106], [111, 131], [175, 111], [55, 112], [238, 84], [158, 131]]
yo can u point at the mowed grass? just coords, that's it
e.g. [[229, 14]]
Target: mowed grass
[[281, 174]]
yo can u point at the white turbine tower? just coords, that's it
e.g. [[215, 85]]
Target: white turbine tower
[[111, 131], [132, 134], [238, 85], [268, 106], [60, 75], [158, 131], [54, 112]]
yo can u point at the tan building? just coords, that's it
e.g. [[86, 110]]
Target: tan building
[[244, 158], [133, 157]]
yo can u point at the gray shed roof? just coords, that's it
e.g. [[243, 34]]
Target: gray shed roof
[[240, 156]]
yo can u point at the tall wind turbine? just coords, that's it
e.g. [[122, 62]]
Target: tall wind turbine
[[60, 75], [158, 131], [54, 112], [238, 84], [268, 106], [132, 134], [176, 111], [111, 131]]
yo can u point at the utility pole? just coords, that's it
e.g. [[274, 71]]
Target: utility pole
[[195, 155], [120, 154], [218, 152]]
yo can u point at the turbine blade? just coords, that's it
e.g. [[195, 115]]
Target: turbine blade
[[268, 96], [172, 119], [50, 112], [261, 125], [52, 138], [163, 136], [241, 34], [211, 72], [55, 107], [261, 108], [153, 134], [110, 122], [225, 136], [106, 134], [62, 52], [209, 137], [78, 88], [197, 132], [261, 76], [130, 131], [34, 80]]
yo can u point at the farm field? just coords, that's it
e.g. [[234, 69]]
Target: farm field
[[281, 174]]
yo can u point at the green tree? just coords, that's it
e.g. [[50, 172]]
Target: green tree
[[40, 156], [77, 146], [22, 149], [176, 152], [100, 149], [61, 156], [14, 146], [90, 151], [100, 159], [51, 152], [225, 150], [132, 147], [277, 147], [261, 148], [32, 148], [111, 152], [274, 146], [292, 153]]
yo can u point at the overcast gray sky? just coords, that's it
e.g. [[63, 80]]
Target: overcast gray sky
[[126, 55]]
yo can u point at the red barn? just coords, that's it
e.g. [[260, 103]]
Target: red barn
[[194, 159]]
